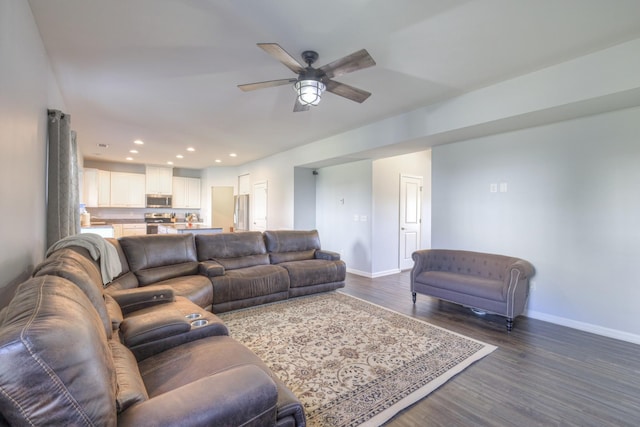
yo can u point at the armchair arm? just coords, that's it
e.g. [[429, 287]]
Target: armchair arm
[[153, 326], [210, 268], [131, 300], [327, 255], [242, 395], [419, 263], [524, 267]]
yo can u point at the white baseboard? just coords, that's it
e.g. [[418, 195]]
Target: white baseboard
[[372, 275], [587, 327]]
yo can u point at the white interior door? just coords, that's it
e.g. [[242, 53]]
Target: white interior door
[[259, 206], [410, 218]]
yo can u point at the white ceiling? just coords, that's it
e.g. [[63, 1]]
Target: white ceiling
[[165, 71]]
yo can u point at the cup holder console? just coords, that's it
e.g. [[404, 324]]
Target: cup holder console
[[199, 323], [193, 316]]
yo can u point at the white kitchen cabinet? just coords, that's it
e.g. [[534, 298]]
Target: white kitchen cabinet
[[104, 188], [134, 229], [89, 187], [127, 190], [96, 188], [186, 193], [159, 180]]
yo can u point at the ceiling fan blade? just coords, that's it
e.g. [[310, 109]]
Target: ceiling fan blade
[[281, 55], [262, 85], [298, 107], [356, 61], [349, 92]]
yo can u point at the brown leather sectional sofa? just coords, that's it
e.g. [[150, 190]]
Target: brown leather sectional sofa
[[145, 349]]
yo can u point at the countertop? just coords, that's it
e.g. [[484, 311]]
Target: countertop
[[110, 221], [185, 226]]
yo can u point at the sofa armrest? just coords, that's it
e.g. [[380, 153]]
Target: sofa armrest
[[524, 267], [242, 395], [210, 268], [152, 326], [131, 300], [327, 255], [419, 263]]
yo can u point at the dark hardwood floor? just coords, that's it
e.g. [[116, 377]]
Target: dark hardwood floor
[[541, 374]]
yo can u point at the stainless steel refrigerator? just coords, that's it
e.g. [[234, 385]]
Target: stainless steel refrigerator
[[241, 213]]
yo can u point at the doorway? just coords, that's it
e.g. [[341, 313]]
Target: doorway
[[410, 219], [259, 206], [222, 208]]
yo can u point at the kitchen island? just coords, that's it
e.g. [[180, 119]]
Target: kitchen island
[[186, 228]]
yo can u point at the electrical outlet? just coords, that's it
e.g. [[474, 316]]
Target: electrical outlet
[[493, 188]]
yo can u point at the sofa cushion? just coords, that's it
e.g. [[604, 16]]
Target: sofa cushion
[[114, 311], [81, 271], [465, 284], [488, 266], [130, 389], [314, 272], [160, 257], [250, 282], [279, 257], [166, 272], [291, 240], [57, 367], [182, 365], [233, 250], [229, 245]]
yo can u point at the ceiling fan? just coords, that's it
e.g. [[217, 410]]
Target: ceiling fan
[[312, 82]]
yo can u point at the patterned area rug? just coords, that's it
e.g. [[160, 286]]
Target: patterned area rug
[[351, 362]]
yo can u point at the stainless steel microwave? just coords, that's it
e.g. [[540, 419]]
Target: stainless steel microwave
[[158, 201]]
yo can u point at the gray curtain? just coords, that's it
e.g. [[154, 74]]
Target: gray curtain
[[63, 214]]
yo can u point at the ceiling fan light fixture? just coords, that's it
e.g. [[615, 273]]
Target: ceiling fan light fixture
[[309, 91]]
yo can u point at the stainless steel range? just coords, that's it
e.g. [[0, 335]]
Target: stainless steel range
[[153, 219]]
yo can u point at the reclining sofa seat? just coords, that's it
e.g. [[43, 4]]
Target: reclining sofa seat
[[163, 260], [62, 365], [239, 269], [310, 268], [60, 368]]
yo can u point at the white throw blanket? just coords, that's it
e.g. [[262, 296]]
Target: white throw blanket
[[98, 248]]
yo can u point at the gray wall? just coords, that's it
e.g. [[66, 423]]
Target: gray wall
[[572, 208], [304, 199], [343, 193], [27, 89]]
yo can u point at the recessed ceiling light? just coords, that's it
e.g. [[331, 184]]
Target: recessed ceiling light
[[103, 145], [129, 158], [180, 156], [233, 155], [218, 160], [191, 149], [138, 142], [169, 163], [133, 151]]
